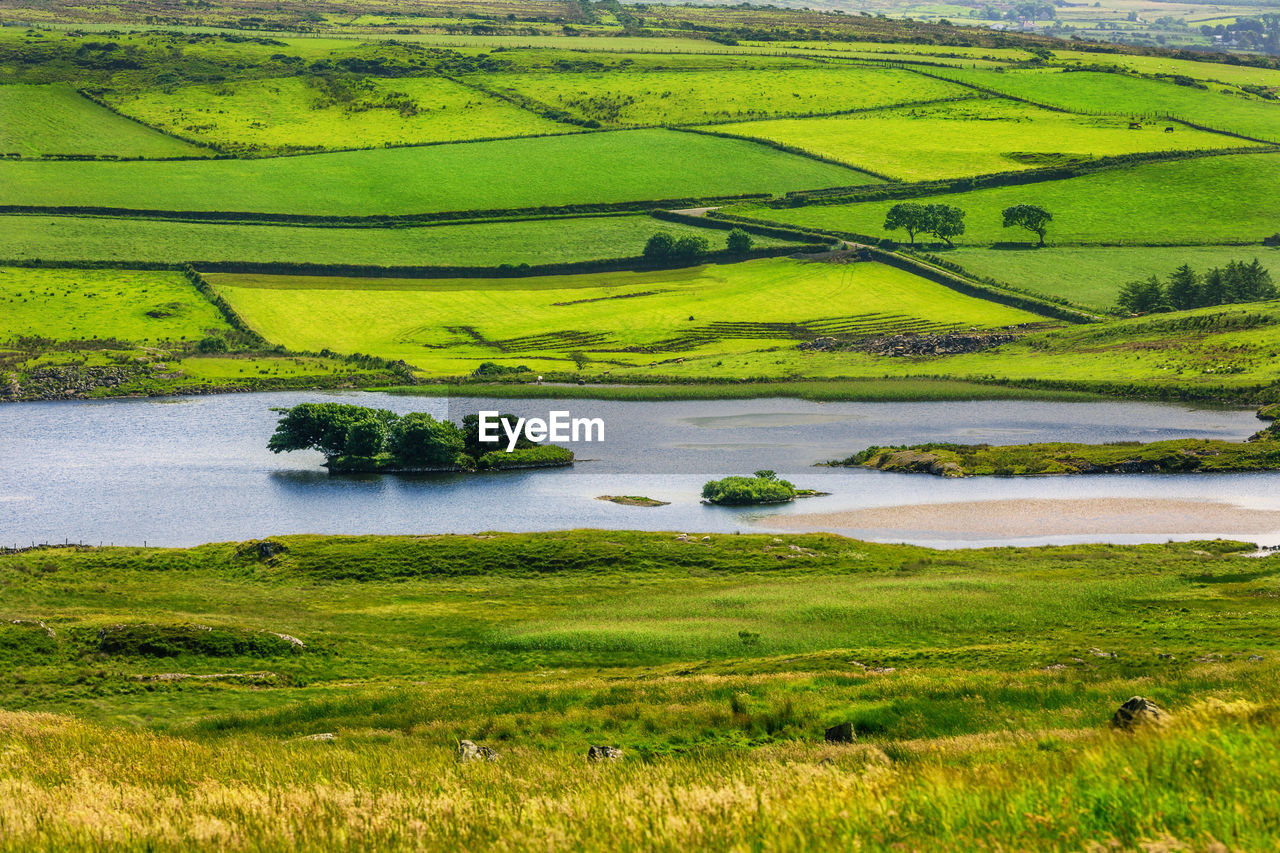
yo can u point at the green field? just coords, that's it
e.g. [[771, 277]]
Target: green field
[[1210, 200], [970, 137], [544, 241], [691, 97], [558, 170], [72, 305], [1093, 276], [979, 686], [296, 114], [1118, 94], [55, 119], [448, 326]]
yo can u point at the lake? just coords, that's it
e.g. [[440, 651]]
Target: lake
[[183, 471]]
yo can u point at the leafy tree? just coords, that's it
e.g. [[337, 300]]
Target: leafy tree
[[691, 246], [418, 439], [1184, 288], [366, 438], [945, 222], [211, 344], [474, 447], [1143, 297], [739, 242], [910, 217], [322, 426], [660, 245], [1029, 216]]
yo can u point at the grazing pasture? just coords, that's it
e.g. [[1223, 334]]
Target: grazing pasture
[[588, 168], [543, 241], [691, 97], [448, 326], [56, 119], [970, 137], [1093, 276], [72, 305], [316, 113], [1205, 201], [1119, 94]]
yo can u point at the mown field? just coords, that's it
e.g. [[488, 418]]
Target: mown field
[[1093, 276], [299, 114], [692, 97], [447, 326], [979, 686], [1205, 201], [970, 137], [586, 168], [543, 241], [55, 119], [1116, 94]]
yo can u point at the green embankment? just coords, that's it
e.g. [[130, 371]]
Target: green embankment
[[979, 686], [590, 168], [1170, 457]]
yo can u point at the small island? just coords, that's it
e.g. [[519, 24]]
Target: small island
[[763, 487], [1261, 453], [632, 500], [361, 440]]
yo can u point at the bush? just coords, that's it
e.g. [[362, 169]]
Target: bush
[[419, 440], [212, 344], [162, 641], [537, 456], [738, 241], [691, 246], [762, 488], [660, 245]]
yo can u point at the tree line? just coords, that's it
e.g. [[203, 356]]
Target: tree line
[[1185, 288], [945, 221], [663, 245]]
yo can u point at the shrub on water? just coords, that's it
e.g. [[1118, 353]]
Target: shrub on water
[[763, 487]]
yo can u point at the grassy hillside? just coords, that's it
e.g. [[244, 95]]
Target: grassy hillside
[[301, 114], [558, 170], [970, 137], [1118, 94], [1093, 276], [1209, 200], [448, 326], [55, 119], [979, 686], [547, 241], [690, 97]]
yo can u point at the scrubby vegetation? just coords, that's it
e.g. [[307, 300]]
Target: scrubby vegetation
[[763, 487]]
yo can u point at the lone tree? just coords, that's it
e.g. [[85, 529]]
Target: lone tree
[[1029, 216], [908, 216], [335, 429], [945, 222], [739, 242], [660, 245]]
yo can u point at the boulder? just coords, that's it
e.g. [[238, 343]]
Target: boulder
[[1138, 712], [597, 754], [472, 751], [841, 733]]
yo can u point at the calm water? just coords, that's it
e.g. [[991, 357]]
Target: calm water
[[191, 470]]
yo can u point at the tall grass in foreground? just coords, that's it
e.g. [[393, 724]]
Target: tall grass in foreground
[[1206, 782]]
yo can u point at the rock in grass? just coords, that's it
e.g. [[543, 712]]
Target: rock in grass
[[841, 733], [471, 751], [1138, 712], [597, 754]]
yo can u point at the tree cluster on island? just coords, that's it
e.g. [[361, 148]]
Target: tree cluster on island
[[945, 221], [763, 487], [358, 438], [1185, 289]]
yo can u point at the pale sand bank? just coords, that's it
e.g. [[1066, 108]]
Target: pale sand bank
[[1042, 517]]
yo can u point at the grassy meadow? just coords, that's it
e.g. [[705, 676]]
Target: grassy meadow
[[1115, 94], [543, 241], [588, 168], [1093, 276], [692, 97], [56, 119], [447, 326], [970, 137], [1204, 201], [979, 686], [289, 114]]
